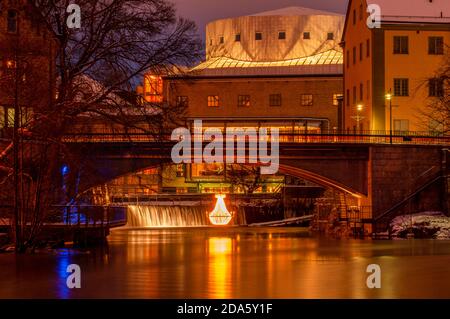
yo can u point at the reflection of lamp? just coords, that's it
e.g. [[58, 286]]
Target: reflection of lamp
[[220, 215]]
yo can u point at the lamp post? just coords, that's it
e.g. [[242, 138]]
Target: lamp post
[[358, 117], [389, 98]]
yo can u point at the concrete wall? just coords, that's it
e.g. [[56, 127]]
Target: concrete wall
[[397, 171]]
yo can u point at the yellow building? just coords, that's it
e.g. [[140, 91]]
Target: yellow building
[[393, 66]]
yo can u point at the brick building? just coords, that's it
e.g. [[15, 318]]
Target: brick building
[[28, 51]]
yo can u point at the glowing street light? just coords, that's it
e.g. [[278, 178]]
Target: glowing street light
[[358, 117], [389, 98], [220, 215]]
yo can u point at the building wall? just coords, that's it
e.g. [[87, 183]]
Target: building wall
[[259, 89], [383, 66], [32, 48], [221, 36], [359, 71], [418, 66]]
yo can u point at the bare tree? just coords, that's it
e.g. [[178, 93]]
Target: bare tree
[[97, 68], [436, 115]]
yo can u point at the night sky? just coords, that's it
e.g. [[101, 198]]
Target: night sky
[[204, 11]]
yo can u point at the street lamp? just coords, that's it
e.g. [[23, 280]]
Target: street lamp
[[358, 117], [389, 98]]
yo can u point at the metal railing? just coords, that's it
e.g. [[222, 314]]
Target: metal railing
[[285, 136]]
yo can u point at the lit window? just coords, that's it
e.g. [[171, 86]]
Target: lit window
[[275, 100], [258, 36], [153, 88], [213, 101], [306, 35], [182, 101], [436, 87], [307, 100], [401, 87], [336, 98], [330, 36], [281, 35], [10, 117], [436, 45], [221, 40], [237, 38], [401, 45], [244, 100], [12, 21]]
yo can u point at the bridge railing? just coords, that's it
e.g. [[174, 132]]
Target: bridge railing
[[285, 136]]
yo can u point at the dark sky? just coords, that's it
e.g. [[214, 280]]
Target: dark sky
[[204, 11]]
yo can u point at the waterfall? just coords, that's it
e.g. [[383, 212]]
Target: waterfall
[[166, 216]]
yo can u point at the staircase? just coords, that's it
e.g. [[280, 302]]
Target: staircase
[[381, 222]]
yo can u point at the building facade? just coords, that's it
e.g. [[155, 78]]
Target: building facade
[[390, 73], [280, 68], [28, 51]]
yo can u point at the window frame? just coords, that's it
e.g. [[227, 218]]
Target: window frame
[[436, 87], [281, 35], [306, 99], [438, 48], [213, 101], [401, 90], [182, 101], [275, 100], [244, 100], [258, 36], [307, 35], [403, 47]]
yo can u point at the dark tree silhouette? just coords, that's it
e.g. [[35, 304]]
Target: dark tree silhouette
[[97, 68]]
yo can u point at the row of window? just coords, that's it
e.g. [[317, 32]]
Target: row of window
[[401, 88], [245, 100], [400, 46], [281, 36], [435, 45], [361, 52]]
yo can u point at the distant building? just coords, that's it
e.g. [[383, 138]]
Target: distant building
[[279, 68], [28, 50], [397, 61]]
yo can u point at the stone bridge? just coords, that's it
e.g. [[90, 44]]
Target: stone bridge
[[382, 176]]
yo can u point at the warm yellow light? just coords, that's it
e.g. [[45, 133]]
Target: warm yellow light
[[359, 107], [220, 214], [388, 96]]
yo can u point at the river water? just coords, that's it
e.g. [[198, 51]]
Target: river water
[[232, 263]]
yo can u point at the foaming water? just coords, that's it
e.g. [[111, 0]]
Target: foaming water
[[166, 216]]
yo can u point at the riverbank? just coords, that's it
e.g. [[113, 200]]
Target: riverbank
[[426, 225]]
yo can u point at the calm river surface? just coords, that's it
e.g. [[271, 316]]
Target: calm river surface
[[232, 263]]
